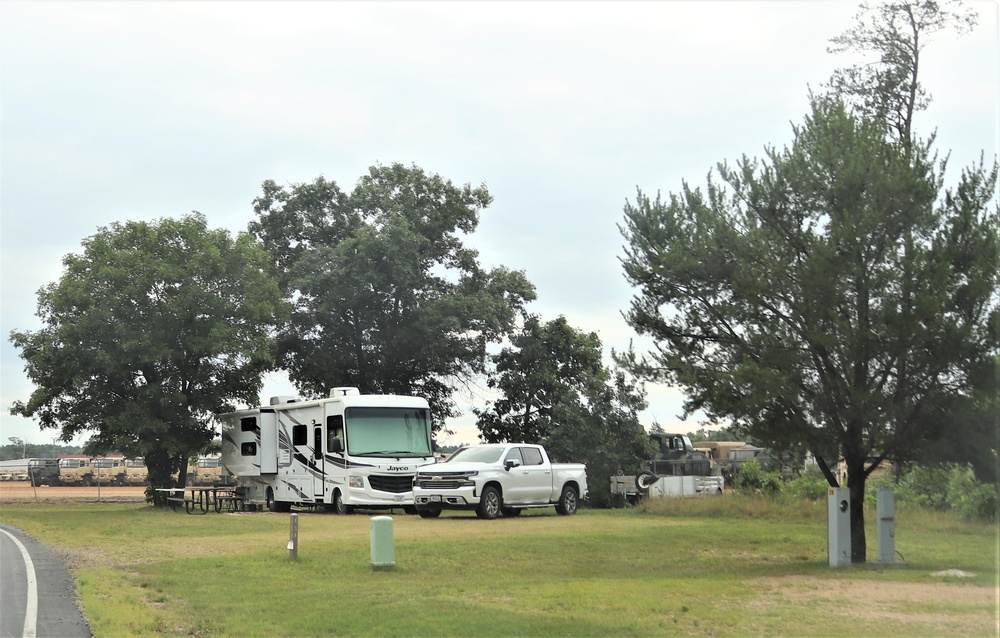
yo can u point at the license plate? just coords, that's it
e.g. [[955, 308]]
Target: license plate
[[435, 498], [398, 499]]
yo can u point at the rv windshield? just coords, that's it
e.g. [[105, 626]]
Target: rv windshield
[[395, 432]]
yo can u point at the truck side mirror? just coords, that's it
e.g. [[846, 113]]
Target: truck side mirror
[[510, 464]]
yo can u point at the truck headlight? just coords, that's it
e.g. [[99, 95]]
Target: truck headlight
[[357, 481]]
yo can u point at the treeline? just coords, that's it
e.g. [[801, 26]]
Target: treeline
[[30, 450]]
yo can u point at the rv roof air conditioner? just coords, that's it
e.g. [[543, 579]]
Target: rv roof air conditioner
[[283, 399], [343, 392]]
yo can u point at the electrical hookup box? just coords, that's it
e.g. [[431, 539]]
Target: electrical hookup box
[[885, 507], [839, 526]]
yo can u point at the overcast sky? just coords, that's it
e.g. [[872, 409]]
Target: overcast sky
[[115, 111]]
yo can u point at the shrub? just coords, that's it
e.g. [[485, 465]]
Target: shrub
[[810, 485], [969, 498], [942, 488], [753, 479]]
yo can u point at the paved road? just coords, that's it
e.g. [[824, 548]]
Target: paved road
[[36, 592]]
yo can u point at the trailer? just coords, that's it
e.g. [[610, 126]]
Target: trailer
[[677, 469], [343, 452]]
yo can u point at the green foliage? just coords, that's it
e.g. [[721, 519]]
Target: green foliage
[[548, 367], [834, 294], [722, 434], [949, 487], [555, 390], [775, 297], [888, 89], [753, 479], [969, 498], [810, 485], [150, 331], [386, 296], [35, 450]]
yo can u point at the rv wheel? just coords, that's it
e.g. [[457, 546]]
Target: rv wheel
[[271, 507], [338, 505]]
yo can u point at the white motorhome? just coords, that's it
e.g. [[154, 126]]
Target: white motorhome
[[343, 452]]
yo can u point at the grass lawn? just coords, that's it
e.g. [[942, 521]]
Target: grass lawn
[[729, 565]]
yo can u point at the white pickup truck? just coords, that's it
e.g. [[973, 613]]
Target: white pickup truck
[[499, 478]]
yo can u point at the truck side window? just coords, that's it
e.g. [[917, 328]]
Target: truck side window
[[300, 435], [531, 456], [514, 454]]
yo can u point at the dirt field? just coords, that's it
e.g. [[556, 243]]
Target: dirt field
[[21, 492]]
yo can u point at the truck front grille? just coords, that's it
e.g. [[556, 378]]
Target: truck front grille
[[439, 484], [396, 484]]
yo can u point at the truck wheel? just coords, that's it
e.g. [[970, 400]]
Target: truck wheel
[[644, 480], [489, 504], [511, 512], [567, 502], [339, 507], [86, 482], [434, 513]]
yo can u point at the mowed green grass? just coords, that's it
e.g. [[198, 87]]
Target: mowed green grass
[[729, 565]]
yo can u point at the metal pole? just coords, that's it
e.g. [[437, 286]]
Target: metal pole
[[293, 537]]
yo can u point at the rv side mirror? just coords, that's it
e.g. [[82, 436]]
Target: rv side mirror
[[509, 464], [337, 445]]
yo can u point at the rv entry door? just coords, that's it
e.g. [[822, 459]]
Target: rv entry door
[[319, 478]]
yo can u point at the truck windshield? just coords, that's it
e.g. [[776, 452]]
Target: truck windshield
[[395, 432], [477, 455]]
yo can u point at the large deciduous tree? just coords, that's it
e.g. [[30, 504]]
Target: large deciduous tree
[[831, 294], [555, 390], [386, 295], [149, 332]]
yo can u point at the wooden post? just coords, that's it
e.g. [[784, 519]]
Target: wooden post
[[293, 537]]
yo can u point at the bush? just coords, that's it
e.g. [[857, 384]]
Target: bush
[[942, 488], [752, 479], [969, 498], [810, 485]]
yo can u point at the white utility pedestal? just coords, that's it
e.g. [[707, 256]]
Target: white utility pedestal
[[885, 507], [839, 526]]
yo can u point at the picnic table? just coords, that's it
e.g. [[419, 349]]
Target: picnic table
[[204, 499]]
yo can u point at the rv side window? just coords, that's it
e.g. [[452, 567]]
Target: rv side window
[[248, 424], [300, 435], [334, 430], [248, 449]]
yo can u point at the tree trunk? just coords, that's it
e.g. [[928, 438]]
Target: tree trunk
[[856, 483], [158, 466]]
